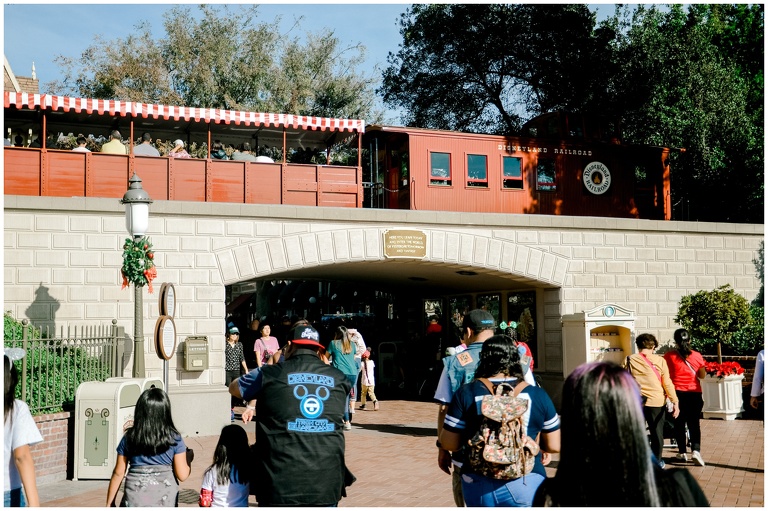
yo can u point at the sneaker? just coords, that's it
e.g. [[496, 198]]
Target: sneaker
[[681, 456], [376, 406], [662, 465], [362, 407], [697, 458], [347, 426]]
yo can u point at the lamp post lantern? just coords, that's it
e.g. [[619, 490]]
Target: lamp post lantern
[[137, 201]]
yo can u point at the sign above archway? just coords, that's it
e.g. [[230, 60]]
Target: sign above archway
[[405, 243]]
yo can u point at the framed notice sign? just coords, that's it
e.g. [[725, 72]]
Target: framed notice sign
[[405, 243], [165, 337], [167, 299]]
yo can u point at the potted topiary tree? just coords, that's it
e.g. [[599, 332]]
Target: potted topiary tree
[[717, 314]]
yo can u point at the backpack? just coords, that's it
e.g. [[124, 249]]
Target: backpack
[[501, 449]]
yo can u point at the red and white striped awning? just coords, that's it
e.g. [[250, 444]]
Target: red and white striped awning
[[22, 100]]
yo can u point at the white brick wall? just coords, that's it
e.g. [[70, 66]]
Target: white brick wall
[[64, 268]]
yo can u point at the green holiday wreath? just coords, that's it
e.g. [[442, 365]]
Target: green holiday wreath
[[138, 263]]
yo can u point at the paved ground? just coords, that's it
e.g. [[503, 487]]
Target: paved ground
[[392, 453]]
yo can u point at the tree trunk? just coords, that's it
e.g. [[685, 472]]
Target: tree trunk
[[719, 354]]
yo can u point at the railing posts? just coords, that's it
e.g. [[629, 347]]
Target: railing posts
[[118, 349], [24, 344]]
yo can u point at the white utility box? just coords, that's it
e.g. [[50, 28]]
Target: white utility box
[[103, 411], [145, 383]]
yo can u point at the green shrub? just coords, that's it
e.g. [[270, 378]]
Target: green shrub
[[714, 316], [13, 329], [53, 372], [751, 338]]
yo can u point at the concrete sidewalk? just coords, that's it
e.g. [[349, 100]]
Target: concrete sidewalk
[[392, 453]]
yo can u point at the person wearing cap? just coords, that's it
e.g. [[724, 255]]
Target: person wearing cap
[[234, 359], [178, 150], [115, 144], [299, 409], [19, 432], [459, 369]]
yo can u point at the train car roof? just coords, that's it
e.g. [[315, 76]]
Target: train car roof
[[104, 114]]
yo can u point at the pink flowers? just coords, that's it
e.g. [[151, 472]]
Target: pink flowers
[[724, 369]]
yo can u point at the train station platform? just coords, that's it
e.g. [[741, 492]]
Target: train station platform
[[392, 453]]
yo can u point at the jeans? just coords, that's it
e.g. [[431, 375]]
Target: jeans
[[480, 491], [353, 380], [14, 498]]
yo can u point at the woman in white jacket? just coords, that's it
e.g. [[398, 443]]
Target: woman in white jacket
[[356, 338]]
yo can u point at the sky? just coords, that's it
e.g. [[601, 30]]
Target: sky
[[35, 32], [38, 32]]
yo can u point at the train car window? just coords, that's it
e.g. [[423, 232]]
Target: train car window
[[545, 176], [512, 169], [477, 170], [440, 169]]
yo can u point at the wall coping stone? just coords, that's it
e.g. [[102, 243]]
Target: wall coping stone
[[387, 216]]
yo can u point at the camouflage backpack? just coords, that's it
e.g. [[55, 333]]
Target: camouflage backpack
[[501, 449]]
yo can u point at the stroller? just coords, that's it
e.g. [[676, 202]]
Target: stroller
[[669, 432]]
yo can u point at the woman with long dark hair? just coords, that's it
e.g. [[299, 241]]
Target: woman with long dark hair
[[342, 352], [686, 368], [605, 459], [20, 431], [499, 363], [154, 454]]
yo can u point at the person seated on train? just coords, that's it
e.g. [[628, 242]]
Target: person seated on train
[[217, 151], [115, 144], [35, 143], [81, 141], [244, 154], [18, 141], [178, 150], [146, 148], [263, 159]]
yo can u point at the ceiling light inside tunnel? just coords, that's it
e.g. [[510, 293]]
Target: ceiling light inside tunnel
[[466, 272]]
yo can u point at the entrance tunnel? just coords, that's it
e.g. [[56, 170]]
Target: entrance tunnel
[[395, 305]]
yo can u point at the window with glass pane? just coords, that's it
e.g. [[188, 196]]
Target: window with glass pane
[[521, 309], [512, 173], [490, 303], [545, 176], [459, 307], [477, 170], [440, 171]]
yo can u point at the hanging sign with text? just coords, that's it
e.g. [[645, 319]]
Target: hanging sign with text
[[405, 243]]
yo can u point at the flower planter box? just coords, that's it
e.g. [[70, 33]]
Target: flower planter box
[[722, 397]]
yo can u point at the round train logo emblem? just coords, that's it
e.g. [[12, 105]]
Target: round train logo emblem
[[597, 178]]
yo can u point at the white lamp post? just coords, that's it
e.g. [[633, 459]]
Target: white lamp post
[[137, 201]]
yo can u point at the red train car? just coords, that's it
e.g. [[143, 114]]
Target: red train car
[[565, 165], [52, 171], [557, 174]]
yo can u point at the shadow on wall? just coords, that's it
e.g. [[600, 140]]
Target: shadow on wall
[[42, 316], [42, 311]]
